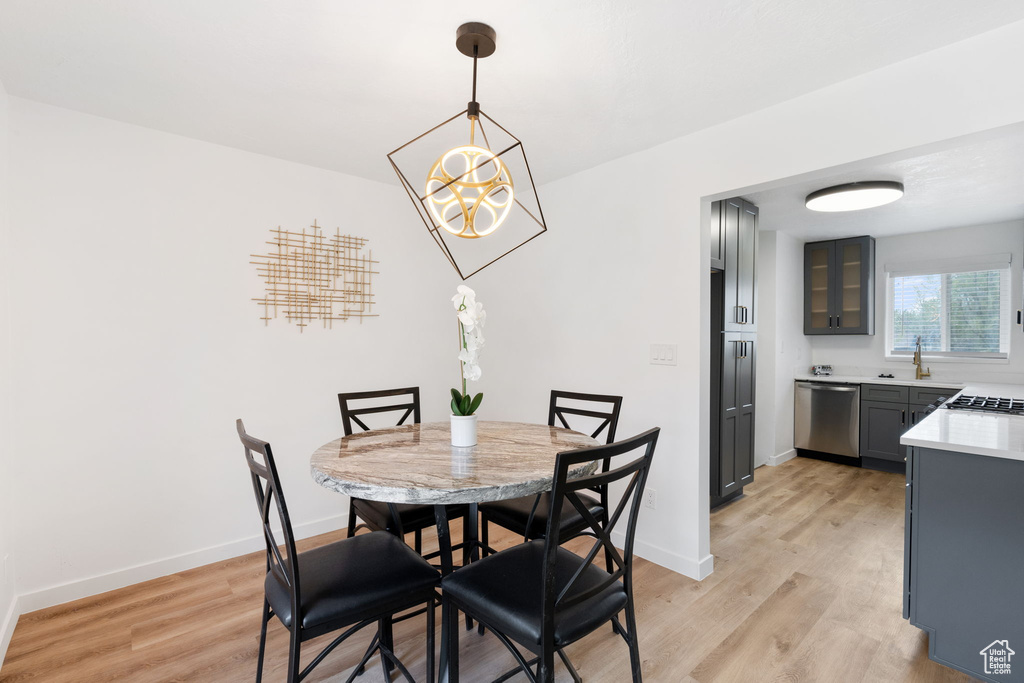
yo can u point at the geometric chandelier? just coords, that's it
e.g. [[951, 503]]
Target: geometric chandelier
[[471, 184]]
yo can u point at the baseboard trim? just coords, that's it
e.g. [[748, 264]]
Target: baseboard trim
[[7, 628], [94, 585], [687, 566], [774, 460]]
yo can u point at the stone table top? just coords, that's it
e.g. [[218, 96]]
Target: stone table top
[[417, 463]]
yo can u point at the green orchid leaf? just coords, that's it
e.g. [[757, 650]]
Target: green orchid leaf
[[465, 406], [455, 408], [456, 394], [477, 400]]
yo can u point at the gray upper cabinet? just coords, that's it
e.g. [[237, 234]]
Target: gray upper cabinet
[[738, 221], [839, 286]]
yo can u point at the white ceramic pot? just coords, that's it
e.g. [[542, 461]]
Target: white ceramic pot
[[463, 430]]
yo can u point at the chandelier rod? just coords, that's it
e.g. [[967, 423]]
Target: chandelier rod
[[473, 109], [476, 51]]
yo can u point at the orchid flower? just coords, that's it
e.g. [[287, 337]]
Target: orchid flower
[[471, 316]]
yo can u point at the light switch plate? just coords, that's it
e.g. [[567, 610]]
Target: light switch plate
[[664, 354]]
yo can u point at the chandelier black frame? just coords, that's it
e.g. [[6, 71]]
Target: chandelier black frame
[[474, 40]]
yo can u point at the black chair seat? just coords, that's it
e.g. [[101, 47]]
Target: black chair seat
[[508, 588], [412, 516], [514, 515], [354, 579]]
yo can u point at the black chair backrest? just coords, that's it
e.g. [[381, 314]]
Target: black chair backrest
[[350, 414], [636, 470], [269, 497], [608, 414]]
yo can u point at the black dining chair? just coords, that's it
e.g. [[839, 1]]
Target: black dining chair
[[528, 516], [396, 518], [348, 584], [544, 597]]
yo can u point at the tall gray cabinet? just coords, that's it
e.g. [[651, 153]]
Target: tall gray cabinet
[[734, 344]]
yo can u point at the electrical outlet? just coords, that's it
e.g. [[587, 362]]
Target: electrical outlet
[[650, 499]]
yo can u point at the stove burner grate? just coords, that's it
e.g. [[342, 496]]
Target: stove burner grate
[[989, 404]]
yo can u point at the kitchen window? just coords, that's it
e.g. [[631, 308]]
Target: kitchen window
[[959, 308]]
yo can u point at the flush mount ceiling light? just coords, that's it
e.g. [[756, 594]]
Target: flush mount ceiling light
[[473, 181], [855, 196]]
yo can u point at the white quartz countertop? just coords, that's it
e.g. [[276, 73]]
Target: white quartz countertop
[[906, 382], [978, 433]]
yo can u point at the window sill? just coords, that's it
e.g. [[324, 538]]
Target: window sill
[[948, 359]]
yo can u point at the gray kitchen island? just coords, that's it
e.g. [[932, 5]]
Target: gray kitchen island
[[964, 553]]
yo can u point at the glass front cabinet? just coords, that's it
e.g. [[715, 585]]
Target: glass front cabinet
[[839, 286]]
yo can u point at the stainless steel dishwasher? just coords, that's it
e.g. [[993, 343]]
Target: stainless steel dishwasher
[[827, 418]]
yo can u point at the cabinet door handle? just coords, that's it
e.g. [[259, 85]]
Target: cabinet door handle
[[1018, 316], [830, 322], [903, 418], [838, 324]]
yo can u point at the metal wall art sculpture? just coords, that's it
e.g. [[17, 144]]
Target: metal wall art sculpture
[[311, 277]]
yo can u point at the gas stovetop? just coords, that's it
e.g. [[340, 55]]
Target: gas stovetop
[[988, 404]]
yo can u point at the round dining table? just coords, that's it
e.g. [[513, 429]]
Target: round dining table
[[417, 464]]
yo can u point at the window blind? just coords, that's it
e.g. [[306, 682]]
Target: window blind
[[954, 313]]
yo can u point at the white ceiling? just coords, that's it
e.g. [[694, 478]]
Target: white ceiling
[[339, 84], [972, 181]]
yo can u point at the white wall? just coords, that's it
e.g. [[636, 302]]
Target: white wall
[[782, 348], [7, 600], [767, 346], [792, 352], [624, 264], [865, 355], [137, 345]]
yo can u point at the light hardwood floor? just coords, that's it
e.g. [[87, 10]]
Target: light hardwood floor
[[806, 587]]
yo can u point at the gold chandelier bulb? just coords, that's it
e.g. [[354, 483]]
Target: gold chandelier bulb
[[469, 191]]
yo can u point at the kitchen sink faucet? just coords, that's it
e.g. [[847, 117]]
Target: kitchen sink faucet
[[921, 374]]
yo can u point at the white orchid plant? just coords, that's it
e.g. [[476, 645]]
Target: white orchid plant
[[471, 340]]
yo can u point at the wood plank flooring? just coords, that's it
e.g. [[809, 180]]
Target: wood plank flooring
[[807, 587]]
